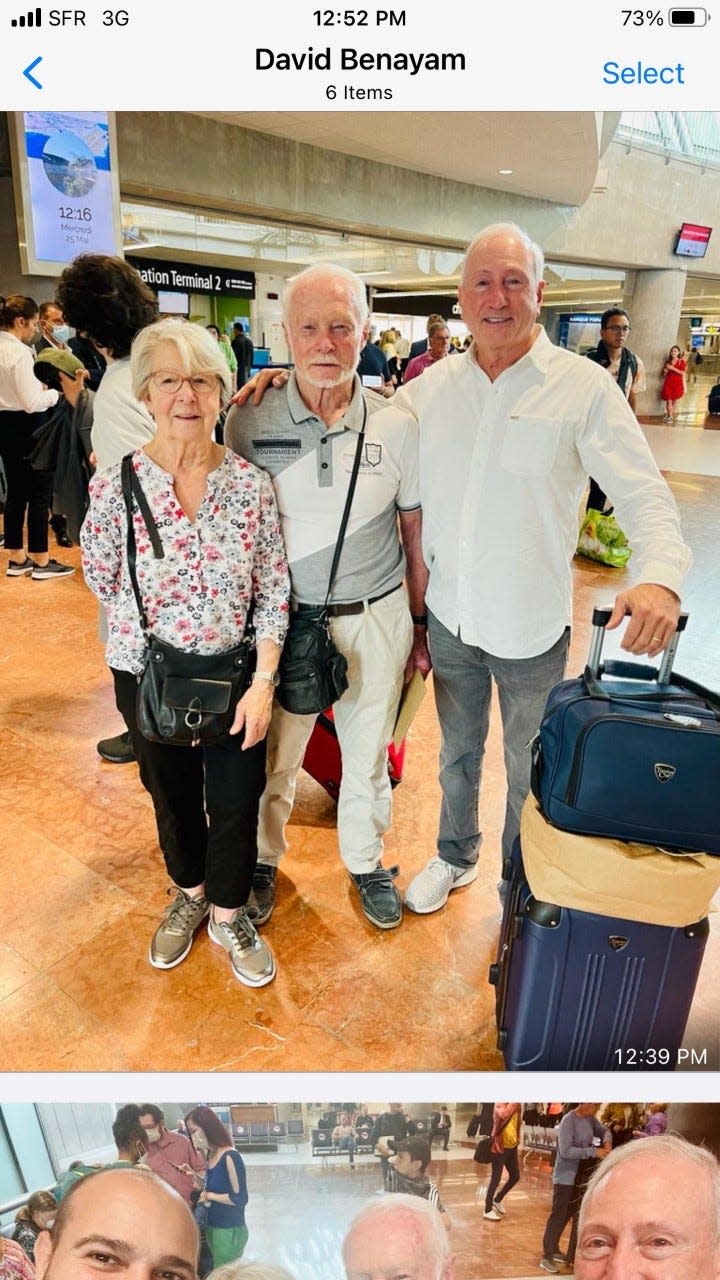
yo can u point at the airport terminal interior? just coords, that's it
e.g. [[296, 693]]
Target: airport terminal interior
[[302, 1193], [84, 881]]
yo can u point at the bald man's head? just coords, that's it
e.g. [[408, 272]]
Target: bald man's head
[[652, 1209], [127, 1215], [399, 1235]]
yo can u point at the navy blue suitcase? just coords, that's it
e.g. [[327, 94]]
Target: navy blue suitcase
[[582, 992], [631, 752]]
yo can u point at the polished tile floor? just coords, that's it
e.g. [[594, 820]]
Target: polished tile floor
[[84, 883], [298, 1215]]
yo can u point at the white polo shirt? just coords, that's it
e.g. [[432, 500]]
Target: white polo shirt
[[310, 465], [502, 467]]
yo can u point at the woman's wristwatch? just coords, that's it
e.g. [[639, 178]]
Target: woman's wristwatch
[[273, 677]]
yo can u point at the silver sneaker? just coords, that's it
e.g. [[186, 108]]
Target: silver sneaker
[[429, 889], [173, 939], [252, 960]]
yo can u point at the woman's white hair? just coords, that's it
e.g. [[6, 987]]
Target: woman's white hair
[[328, 271], [199, 352], [666, 1144], [249, 1271], [426, 1223], [507, 229]]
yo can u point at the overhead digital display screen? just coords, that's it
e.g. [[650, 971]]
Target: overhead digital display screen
[[692, 241], [68, 187]]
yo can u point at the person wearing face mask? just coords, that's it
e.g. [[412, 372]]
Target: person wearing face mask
[[168, 1152], [53, 331], [36, 1215], [225, 1188], [131, 1143], [53, 335], [129, 1138], [23, 405]]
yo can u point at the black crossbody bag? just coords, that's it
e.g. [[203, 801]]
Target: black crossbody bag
[[183, 699], [313, 673]]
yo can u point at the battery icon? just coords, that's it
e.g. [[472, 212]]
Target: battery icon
[[687, 17]]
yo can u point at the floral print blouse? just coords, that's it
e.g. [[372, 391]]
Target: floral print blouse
[[14, 1263], [197, 597]]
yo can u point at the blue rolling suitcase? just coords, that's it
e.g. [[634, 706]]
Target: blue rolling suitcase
[[582, 992], [631, 752]]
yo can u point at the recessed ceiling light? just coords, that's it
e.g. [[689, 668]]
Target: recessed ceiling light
[[504, 172]]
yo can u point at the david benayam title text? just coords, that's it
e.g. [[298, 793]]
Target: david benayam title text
[[327, 59]]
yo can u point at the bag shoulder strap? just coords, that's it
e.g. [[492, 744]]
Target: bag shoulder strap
[[131, 488], [348, 504]]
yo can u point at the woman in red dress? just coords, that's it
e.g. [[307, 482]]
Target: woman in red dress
[[673, 387]]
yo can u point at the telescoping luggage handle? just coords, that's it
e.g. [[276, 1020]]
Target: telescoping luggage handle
[[600, 619], [636, 671]]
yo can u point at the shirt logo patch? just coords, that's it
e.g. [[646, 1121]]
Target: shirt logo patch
[[373, 454]]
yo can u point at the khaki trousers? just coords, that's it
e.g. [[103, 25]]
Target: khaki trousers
[[376, 643]]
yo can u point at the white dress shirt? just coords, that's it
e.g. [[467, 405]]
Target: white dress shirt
[[19, 388], [503, 465]]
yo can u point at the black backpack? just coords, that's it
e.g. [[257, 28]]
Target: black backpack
[[714, 399], [600, 356]]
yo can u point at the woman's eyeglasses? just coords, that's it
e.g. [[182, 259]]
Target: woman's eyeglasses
[[170, 383]]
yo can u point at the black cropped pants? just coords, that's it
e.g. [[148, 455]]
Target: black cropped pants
[[206, 802]]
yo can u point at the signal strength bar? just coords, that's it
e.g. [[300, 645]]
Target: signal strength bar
[[33, 19]]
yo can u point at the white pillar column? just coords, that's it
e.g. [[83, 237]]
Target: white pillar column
[[653, 300]]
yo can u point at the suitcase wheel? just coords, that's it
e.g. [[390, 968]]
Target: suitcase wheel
[[502, 1036], [494, 974]]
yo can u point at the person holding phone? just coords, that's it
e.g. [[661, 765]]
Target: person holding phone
[[374, 371], [224, 1187], [674, 385], [170, 1154]]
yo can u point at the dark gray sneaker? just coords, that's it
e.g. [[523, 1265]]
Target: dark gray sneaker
[[53, 569], [380, 900], [18, 568], [173, 939], [262, 896], [252, 960], [117, 750]]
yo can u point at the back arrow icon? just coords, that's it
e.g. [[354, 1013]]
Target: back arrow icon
[[31, 78]]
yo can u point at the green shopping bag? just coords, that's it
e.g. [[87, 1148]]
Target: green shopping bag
[[602, 539]]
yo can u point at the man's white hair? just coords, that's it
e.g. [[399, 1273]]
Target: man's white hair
[[507, 229], [425, 1223], [328, 271], [663, 1145]]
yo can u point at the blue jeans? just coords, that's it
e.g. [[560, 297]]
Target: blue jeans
[[462, 680], [347, 1144]]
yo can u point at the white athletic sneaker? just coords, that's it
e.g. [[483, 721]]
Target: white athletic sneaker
[[429, 889], [493, 1215]]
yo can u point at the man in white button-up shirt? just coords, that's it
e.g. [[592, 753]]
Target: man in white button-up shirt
[[509, 433]]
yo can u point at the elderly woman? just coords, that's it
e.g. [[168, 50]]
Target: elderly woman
[[222, 551], [36, 1215]]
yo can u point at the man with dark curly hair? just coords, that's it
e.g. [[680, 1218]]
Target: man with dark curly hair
[[107, 299]]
